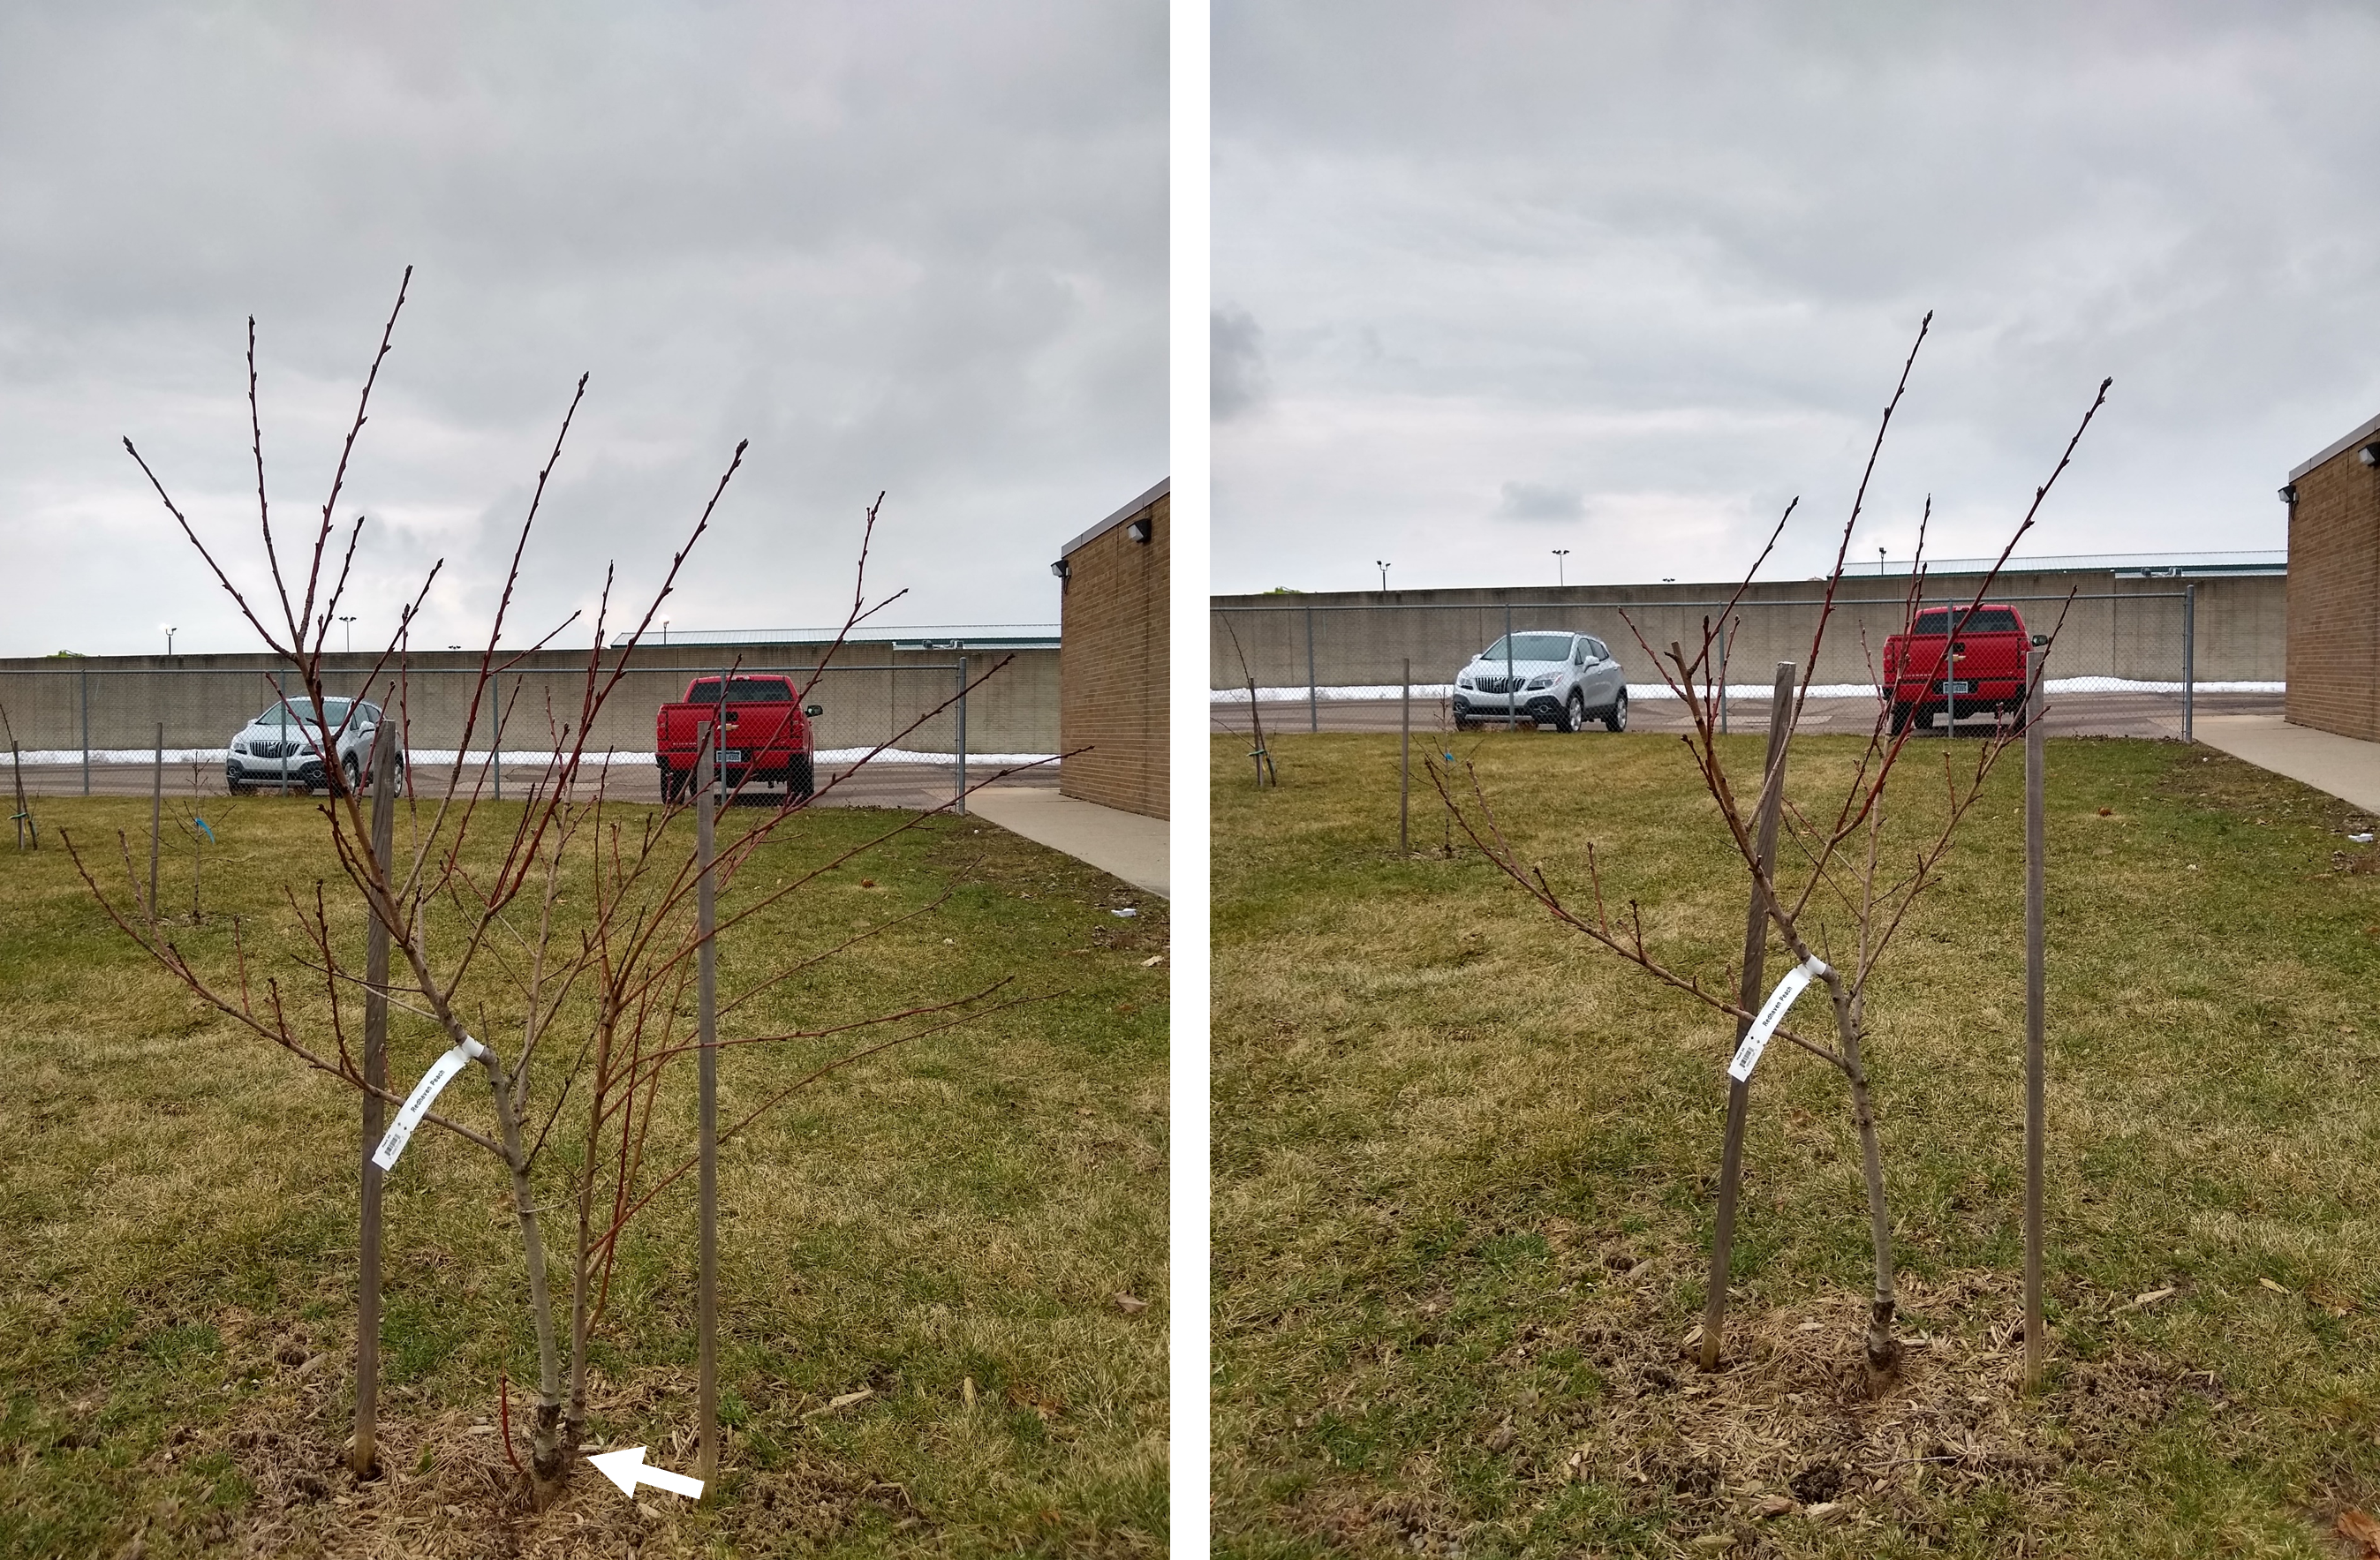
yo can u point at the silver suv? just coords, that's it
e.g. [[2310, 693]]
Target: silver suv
[[283, 747], [1557, 680]]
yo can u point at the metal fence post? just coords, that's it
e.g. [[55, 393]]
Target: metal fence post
[[1404, 759], [2036, 848], [1726, 643], [496, 734], [1313, 696], [157, 818], [82, 674], [1951, 622], [2189, 659], [706, 768], [961, 807], [383, 834], [1511, 685]]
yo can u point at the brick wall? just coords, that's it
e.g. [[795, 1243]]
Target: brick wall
[[1112, 666], [2334, 612]]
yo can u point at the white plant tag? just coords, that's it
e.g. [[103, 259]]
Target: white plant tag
[[417, 1103], [1772, 1013]]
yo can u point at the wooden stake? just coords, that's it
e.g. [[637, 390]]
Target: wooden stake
[[706, 980], [383, 834], [2035, 958], [1756, 948]]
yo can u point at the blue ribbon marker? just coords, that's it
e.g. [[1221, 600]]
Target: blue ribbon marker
[[204, 829]]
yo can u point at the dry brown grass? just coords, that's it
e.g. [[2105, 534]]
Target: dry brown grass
[[946, 1228], [1464, 1175]]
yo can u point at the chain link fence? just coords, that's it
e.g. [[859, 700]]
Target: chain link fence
[[97, 729], [2125, 663]]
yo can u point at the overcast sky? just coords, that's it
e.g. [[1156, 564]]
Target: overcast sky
[[1493, 279], [914, 246]]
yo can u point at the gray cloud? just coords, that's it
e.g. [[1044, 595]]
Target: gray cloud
[[919, 247], [1540, 501], [1236, 377], [1677, 253]]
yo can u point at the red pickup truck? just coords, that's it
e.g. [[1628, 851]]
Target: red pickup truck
[[1983, 671], [764, 732]]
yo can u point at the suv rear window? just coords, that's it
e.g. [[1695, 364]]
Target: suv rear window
[[1983, 620], [741, 690]]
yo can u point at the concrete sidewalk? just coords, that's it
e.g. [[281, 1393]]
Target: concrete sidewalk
[[1121, 844], [2345, 766]]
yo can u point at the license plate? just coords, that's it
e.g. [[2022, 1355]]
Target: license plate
[[1959, 686], [735, 755]]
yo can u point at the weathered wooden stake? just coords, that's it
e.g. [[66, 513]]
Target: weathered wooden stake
[[1756, 947], [156, 816], [707, 982], [2035, 959], [384, 832]]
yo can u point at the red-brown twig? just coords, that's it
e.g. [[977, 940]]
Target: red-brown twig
[[504, 1418]]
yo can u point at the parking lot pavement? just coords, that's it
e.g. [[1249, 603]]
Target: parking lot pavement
[[911, 787], [2124, 714]]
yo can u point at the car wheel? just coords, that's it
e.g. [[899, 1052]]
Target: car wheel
[[1574, 714], [353, 768], [672, 785], [801, 780], [237, 786], [1616, 718], [1898, 721], [1463, 722]]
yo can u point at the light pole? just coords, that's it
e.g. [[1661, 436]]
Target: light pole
[[664, 631], [1383, 567], [169, 636], [1562, 575], [1880, 562], [349, 619]]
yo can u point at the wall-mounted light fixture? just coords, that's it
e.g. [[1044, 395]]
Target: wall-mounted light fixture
[[2371, 454], [2289, 493], [1140, 530], [1063, 569]]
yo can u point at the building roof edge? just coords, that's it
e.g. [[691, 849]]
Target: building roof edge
[[2337, 449], [1164, 486]]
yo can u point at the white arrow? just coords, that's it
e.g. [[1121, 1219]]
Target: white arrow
[[627, 1469]]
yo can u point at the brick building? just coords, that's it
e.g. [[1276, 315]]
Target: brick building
[[2333, 605], [1112, 657]]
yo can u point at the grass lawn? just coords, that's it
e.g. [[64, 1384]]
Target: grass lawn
[[945, 1228], [1463, 1171]]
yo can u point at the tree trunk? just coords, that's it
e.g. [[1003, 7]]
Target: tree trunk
[[1883, 1349], [550, 1455]]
